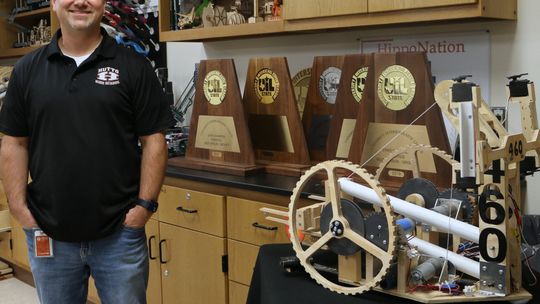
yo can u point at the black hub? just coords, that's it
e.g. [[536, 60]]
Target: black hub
[[336, 227]]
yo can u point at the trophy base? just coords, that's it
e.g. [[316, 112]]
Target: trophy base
[[219, 167], [284, 168]]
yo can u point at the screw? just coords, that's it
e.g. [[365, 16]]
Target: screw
[[379, 227], [501, 271], [384, 242], [339, 231], [500, 286], [484, 283], [371, 236], [484, 268]]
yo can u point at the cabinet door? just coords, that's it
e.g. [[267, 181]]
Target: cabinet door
[[301, 9], [242, 257], [238, 293], [192, 271], [18, 238], [395, 5], [246, 223], [5, 248], [153, 292], [192, 209]]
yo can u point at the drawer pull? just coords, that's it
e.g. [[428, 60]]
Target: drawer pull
[[161, 260], [150, 242], [180, 208], [257, 225]]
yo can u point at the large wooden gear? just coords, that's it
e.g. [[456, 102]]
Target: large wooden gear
[[340, 227], [411, 153]]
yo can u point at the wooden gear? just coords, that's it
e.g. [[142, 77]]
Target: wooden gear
[[333, 196]]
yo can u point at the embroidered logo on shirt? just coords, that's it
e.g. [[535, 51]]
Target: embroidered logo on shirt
[[108, 76]]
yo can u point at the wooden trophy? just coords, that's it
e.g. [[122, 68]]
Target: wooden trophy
[[401, 90], [350, 99], [274, 122], [219, 139], [320, 100]]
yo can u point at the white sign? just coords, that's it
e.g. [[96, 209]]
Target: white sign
[[450, 54]]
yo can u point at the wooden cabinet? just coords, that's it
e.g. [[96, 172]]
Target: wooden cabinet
[[247, 229], [153, 292], [8, 32], [193, 270], [320, 15], [19, 247]]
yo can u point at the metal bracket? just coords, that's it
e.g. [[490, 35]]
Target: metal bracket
[[492, 278]]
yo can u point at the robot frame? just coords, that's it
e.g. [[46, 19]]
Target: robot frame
[[396, 247]]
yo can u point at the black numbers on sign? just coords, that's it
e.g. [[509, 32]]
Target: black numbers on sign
[[516, 148], [485, 208]]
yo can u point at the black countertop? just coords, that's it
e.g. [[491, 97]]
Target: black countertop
[[261, 182]]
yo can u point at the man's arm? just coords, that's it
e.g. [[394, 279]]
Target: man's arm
[[154, 161], [14, 169]]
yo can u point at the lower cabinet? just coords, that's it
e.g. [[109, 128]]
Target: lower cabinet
[[18, 240], [153, 292], [193, 266]]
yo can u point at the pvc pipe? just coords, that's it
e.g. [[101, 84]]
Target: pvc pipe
[[441, 222], [463, 264]]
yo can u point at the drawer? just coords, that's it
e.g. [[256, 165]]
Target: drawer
[[238, 293], [396, 5], [241, 216], [242, 258], [193, 210]]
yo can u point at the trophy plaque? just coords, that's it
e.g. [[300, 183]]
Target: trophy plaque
[[300, 83], [400, 90], [219, 139], [350, 99], [274, 123], [320, 102]]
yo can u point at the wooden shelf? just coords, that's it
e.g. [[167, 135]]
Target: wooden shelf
[[41, 11], [228, 31], [388, 14], [16, 52]]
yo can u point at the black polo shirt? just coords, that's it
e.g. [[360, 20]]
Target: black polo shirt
[[83, 125]]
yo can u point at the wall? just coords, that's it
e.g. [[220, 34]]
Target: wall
[[514, 49]]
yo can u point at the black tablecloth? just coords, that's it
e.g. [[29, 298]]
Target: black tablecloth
[[271, 284]]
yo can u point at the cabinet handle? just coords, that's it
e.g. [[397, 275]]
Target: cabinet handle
[[161, 252], [180, 208], [257, 225], [150, 242]]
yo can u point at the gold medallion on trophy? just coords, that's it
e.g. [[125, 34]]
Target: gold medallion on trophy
[[300, 83], [266, 86], [215, 87], [396, 87], [358, 83], [329, 83]]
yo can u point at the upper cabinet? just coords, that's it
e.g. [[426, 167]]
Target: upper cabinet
[[319, 15], [301, 9]]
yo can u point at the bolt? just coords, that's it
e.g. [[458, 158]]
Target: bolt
[[492, 248], [484, 268], [384, 242], [371, 236], [379, 227], [484, 283], [339, 231], [501, 271], [500, 286]]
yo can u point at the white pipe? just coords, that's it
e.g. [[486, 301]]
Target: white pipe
[[463, 264], [466, 139], [441, 222]]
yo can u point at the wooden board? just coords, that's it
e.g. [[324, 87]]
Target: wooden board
[[440, 297], [219, 139], [274, 122], [350, 99], [320, 100], [378, 124]]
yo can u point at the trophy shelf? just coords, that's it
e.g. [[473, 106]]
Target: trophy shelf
[[8, 33], [321, 15]]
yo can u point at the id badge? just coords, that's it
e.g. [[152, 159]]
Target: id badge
[[43, 245]]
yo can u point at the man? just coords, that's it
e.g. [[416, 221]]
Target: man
[[73, 115]]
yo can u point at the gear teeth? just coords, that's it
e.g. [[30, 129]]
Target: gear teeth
[[415, 148], [391, 218]]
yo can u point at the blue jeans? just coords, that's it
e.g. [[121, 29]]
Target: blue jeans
[[118, 263]]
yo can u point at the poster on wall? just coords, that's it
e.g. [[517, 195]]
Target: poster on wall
[[450, 55]]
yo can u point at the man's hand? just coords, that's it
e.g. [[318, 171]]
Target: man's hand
[[24, 217], [137, 217]]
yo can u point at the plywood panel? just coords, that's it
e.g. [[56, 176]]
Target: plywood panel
[[299, 9], [394, 5]]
